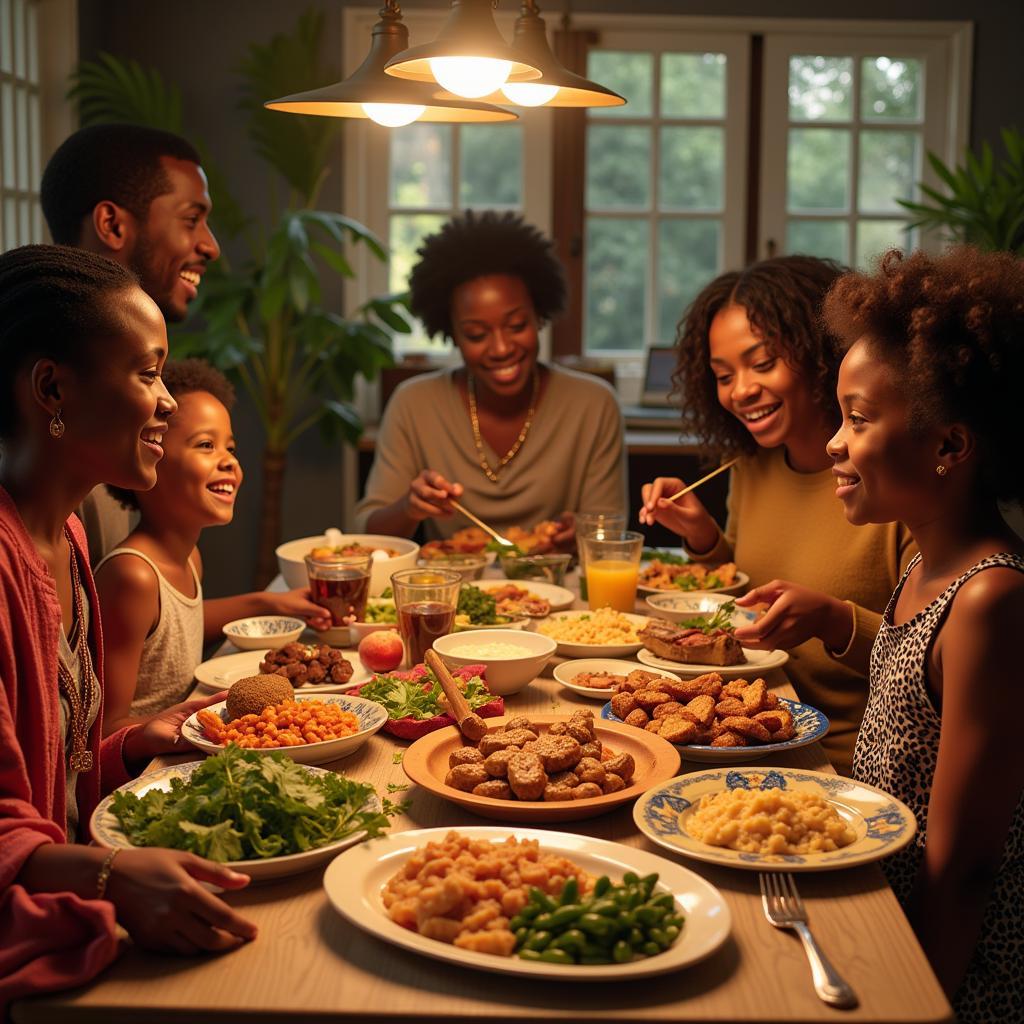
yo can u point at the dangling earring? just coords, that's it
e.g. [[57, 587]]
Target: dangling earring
[[940, 469], [56, 425]]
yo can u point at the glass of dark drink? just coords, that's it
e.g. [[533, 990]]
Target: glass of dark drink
[[341, 584], [426, 601]]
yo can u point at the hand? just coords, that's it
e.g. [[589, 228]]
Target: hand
[[299, 604], [565, 539], [796, 614], [685, 516], [428, 496], [159, 900], [161, 733]]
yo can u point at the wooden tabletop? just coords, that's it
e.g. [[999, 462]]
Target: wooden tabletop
[[308, 964]]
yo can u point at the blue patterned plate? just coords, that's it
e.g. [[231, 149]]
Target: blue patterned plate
[[371, 715], [810, 725], [882, 824]]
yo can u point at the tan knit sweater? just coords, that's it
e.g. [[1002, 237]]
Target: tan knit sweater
[[787, 525]]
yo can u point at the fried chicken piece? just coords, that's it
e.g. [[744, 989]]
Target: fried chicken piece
[[639, 718], [753, 697], [667, 709], [624, 704], [506, 738], [526, 776], [622, 765], [557, 753], [466, 777], [465, 755], [649, 699], [747, 727], [678, 729], [703, 709], [592, 749], [642, 678], [521, 722], [655, 725], [586, 790], [735, 688], [612, 783], [496, 789], [497, 763], [730, 706], [564, 779], [774, 720], [729, 739], [554, 793], [590, 770]]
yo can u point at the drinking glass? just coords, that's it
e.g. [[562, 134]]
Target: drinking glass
[[341, 584], [594, 522], [426, 600], [613, 568]]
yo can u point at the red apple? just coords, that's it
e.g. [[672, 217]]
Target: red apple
[[382, 650]]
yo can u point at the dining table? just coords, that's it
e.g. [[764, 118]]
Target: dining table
[[309, 964]]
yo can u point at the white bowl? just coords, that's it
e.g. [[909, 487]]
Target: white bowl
[[696, 605], [505, 674], [470, 567], [263, 632], [291, 558]]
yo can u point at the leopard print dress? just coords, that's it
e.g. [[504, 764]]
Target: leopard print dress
[[897, 750]]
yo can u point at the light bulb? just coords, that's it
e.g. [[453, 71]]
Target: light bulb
[[393, 115], [470, 77], [529, 94]]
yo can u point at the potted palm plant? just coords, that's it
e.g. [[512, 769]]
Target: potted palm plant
[[264, 319]]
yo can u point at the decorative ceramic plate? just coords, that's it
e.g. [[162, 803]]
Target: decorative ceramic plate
[[557, 597], [810, 725], [656, 760], [568, 670], [568, 649], [737, 587], [219, 673], [882, 823], [106, 829], [757, 663], [354, 880], [371, 715]]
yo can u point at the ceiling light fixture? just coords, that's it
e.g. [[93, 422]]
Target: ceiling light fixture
[[370, 93], [469, 57]]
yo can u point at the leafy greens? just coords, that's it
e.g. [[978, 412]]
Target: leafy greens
[[420, 698], [721, 620]]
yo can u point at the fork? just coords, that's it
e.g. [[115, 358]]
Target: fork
[[784, 909]]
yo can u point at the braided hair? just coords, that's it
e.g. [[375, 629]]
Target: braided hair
[[54, 303]]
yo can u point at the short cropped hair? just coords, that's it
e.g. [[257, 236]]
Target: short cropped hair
[[184, 377], [473, 245], [782, 298], [115, 162], [54, 304], [951, 327]]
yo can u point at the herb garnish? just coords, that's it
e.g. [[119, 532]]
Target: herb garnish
[[720, 621], [419, 698]]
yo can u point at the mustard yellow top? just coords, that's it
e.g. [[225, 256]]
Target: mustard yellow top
[[787, 525]]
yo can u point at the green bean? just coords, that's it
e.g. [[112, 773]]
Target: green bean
[[622, 952], [570, 892], [601, 886], [674, 919], [648, 915], [658, 935], [538, 941], [517, 922], [663, 899], [590, 948], [650, 949], [596, 925], [636, 937], [542, 899], [672, 931], [649, 882], [609, 908], [530, 911], [521, 935], [557, 956], [528, 954], [573, 940], [630, 878]]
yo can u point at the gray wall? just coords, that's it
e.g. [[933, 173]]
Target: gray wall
[[196, 44]]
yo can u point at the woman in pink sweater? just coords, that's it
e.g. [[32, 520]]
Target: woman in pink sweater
[[81, 403]]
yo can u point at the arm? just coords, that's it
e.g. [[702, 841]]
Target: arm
[[979, 775], [130, 606], [218, 611], [701, 536]]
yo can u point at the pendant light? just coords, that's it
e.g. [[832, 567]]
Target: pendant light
[[468, 58], [370, 93]]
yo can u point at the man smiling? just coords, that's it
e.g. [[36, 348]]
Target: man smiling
[[139, 197]]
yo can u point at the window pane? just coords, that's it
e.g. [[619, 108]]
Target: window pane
[[421, 165], [10, 223], [616, 277], [891, 89], [6, 58], [491, 165], [25, 222], [7, 142], [820, 88], [19, 38], [21, 135], [693, 85], [687, 260], [825, 238], [405, 235], [618, 167], [34, 170], [627, 73], [33, 43], [818, 169], [38, 234], [888, 170], [876, 236], [692, 166]]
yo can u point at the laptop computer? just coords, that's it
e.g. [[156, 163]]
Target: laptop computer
[[655, 404]]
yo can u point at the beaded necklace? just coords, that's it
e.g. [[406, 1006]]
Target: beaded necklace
[[80, 759], [474, 419]]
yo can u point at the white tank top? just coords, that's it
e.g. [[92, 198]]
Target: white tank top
[[172, 651]]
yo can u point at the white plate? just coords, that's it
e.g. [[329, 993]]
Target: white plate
[[106, 829], [740, 585], [354, 879], [810, 724], [575, 650], [564, 674], [883, 824], [371, 715], [756, 663], [219, 673], [557, 597]]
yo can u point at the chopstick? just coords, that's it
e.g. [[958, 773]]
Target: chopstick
[[479, 522], [697, 483]]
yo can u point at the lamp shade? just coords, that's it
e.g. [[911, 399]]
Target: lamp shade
[[369, 87]]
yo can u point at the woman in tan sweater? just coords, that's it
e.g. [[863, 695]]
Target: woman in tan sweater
[[757, 374]]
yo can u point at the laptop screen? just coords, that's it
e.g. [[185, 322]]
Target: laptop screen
[[661, 362]]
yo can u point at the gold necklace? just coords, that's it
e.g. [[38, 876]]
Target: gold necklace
[[474, 419], [80, 759]]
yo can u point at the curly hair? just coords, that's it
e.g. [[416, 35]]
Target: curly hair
[[473, 245], [951, 327], [184, 377], [782, 298], [55, 303]]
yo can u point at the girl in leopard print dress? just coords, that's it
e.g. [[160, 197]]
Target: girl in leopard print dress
[[928, 389]]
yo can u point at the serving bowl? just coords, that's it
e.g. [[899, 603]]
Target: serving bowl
[[263, 632], [682, 607], [470, 567], [505, 674], [549, 568], [292, 554]]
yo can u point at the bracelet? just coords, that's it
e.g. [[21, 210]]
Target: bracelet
[[103, 876], [853, 634]]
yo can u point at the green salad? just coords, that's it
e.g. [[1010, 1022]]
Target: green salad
[[243, 805], [665, 557], [721, 620], [477, 607], [405, 698], [381, 609]]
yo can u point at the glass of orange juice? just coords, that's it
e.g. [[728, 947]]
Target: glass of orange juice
[[613, 568]]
